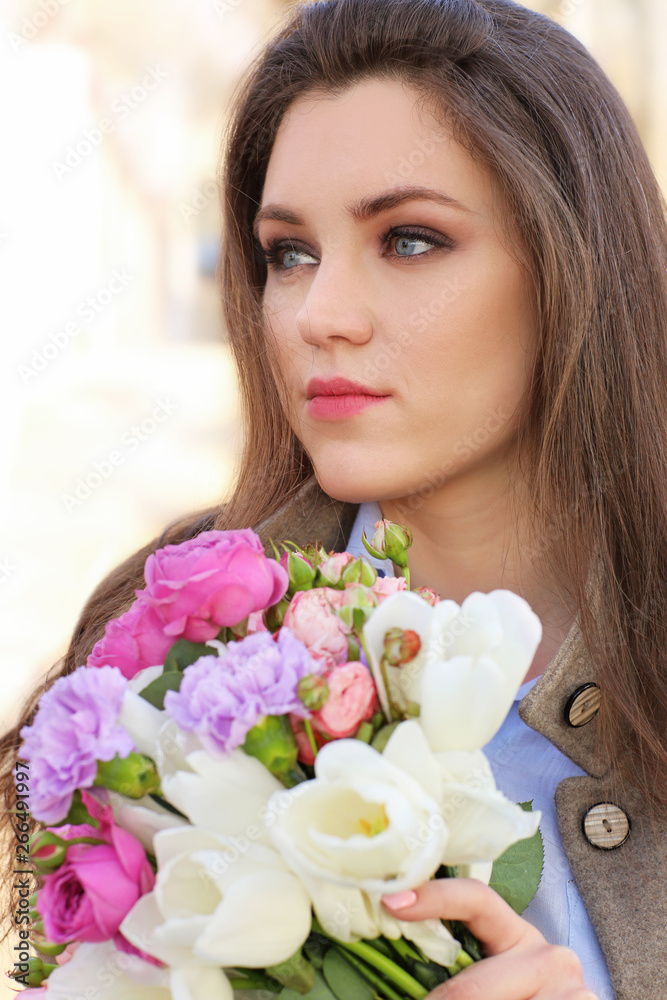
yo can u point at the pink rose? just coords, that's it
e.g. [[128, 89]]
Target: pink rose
[[97, 885], [352, 699], [385, 586], [256, 623], [429, 595], [132, 642], [311, 615], [214, 580]]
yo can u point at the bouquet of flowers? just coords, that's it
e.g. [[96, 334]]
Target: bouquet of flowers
[[254, 754]]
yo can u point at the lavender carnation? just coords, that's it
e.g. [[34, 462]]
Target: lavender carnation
[[76, 725], [221, 698]]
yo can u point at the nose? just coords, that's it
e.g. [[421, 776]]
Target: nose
[[336, 305]]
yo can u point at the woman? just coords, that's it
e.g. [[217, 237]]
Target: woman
[[522, 433]]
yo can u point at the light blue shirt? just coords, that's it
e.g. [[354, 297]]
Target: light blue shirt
[[527, 766]]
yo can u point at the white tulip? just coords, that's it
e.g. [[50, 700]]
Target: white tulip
[[361, 828], [102, 971], [481, 822], [472, 661], [215, 904]]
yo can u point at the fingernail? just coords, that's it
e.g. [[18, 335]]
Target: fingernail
[[400, 900]]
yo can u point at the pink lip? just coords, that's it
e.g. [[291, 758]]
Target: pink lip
[[337, 398], [338, 407]]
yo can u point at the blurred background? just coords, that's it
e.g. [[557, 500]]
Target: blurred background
[[118, 402]]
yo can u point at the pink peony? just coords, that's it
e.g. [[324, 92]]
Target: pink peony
[[214, 580], [98, 884], [311, 615], [385, 586], [132, 642], [352, 699]]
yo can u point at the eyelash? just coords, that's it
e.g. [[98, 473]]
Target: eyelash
[[271, 254]]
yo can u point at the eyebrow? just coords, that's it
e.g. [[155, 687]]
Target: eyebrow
[[366, 208]]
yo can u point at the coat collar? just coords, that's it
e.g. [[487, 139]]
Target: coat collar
[[311, 515]]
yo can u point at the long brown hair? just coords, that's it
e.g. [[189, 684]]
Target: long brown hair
[[529, 102]]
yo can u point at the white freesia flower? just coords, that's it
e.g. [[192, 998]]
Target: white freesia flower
[[214, 905], [472, 661], [363, 827], [114, 975]]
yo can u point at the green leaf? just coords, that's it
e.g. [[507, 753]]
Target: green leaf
[[344, 981], [516, 873], [155, 691], [183, 653], [320, 991]]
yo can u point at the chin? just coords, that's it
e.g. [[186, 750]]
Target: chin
[[347, 486]]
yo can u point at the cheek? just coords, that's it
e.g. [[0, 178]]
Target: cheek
[[478, 339]]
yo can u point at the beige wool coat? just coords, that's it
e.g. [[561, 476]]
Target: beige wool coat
[[617, 855]]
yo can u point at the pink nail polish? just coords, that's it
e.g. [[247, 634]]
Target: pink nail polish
[[400, 900]]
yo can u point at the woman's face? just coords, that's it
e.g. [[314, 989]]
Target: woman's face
[[419, 300]]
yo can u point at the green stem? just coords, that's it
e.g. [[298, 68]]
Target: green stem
[[376, 981], [396, 975], [254, 982], [311, 737]]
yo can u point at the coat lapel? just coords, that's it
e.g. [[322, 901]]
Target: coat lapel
[[624, 889]]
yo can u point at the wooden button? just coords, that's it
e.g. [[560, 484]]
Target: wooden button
[[582, 705], [606, 826]]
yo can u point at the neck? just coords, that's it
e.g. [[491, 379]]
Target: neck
[[470, 535]]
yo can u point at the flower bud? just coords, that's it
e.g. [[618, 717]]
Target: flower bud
[[234, 633], [134, 776], [38, 971], [390, 541], [358, 606], [47, 851], [300, 570], [315, 554], [272, 742], [313, 691], [428, 594], [360, 571], [273, 616], [44, 947], [400, 646], [330, 570]]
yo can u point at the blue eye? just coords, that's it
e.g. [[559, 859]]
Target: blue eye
[[277, 250]]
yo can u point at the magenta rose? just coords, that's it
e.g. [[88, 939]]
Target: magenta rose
[[97, 885], [216, 579], [132, 642], [312, 616]]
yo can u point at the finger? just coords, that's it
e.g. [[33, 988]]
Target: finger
[[519, 974], [485, 913]]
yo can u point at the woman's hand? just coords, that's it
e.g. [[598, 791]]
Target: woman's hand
[[520, 965]]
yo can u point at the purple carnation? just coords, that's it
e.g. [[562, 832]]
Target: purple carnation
[[76, 725], [221, 698]]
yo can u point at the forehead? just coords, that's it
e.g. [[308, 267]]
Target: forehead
[[378, 134]]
